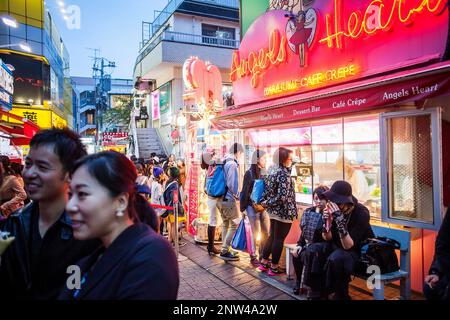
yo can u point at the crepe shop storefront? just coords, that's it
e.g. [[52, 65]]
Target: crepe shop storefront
[[359, 90]]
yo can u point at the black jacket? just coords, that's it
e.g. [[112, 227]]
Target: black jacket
[[442, 253], [138, 265], [247, 189], [359, 228], [59, 250]]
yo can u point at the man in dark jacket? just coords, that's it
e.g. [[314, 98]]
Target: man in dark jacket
[[35, 264], [437, 282]]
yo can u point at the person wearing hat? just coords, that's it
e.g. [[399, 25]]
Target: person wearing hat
[[346, 224], [172, 186]]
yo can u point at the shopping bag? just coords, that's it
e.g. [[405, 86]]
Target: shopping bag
[[239, 241], [258, 190], [251, 246]]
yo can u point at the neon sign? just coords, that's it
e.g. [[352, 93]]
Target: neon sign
[[373, 19], [316, 79], [256, 63]]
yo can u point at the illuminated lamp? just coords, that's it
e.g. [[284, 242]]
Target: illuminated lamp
[[181, 120]]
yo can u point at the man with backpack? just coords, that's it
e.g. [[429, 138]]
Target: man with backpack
[[222, 183], [227, 205]]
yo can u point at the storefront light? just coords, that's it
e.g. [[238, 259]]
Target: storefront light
[[10, 22], [181, 120], [25, 47], [202, 124]]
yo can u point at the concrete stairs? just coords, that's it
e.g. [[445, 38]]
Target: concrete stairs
[[148, 142]]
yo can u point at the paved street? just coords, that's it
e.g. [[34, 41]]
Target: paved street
[[210, 278]]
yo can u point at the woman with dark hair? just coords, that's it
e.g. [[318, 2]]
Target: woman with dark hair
[[12, 193], [279, 201], [169, 163], [134, 262], [172, 186], [311, 226], [259, 221]]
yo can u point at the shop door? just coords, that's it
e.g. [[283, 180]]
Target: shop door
[[411, 168]]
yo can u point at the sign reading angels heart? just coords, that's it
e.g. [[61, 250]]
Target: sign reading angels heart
[[319, 43]]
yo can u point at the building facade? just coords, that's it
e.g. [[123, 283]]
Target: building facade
[[203, 28], [89, 108], [33, 48]]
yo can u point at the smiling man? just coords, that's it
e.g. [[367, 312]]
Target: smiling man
[[35, 265]]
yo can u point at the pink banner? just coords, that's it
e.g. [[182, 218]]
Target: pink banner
[[373, 97], [193, 195]]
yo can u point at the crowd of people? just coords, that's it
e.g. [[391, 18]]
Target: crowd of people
[[86, 216], [333, 230], [113, 219]]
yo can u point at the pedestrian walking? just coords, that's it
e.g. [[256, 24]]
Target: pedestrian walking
[[259, 220], [279, 201], [227, 204]]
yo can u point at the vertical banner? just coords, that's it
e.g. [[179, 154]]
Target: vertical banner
[[155, 105]]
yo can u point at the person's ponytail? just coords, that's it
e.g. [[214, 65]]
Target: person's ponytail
[[143, 212]]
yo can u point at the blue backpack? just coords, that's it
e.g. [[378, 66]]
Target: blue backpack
[[216, 183]]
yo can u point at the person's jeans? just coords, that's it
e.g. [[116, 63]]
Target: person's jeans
[[329, 269], [274, 245], [229, 212], [260, 223]]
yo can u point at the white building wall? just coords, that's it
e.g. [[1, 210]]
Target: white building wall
[[193, 24]]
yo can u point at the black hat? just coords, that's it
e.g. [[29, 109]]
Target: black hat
[[341, 193]]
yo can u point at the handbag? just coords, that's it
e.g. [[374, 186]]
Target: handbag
[[379, 251], [251, 246], [239, 241]]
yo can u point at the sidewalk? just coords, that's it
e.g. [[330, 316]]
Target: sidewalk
[[241, 280], [209, 278]]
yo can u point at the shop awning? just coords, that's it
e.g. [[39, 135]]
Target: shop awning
[[401, 87], [20, 129]]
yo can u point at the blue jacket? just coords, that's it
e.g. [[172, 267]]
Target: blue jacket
[[138, 265], [231, 170]]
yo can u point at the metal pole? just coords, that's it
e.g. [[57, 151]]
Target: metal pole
[[175, 211]]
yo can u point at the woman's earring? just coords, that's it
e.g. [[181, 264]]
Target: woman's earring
[[119, 213]]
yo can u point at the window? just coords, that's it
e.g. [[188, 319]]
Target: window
[[89, 118], [362, 161], [327, 151], [411, 169], [218, 35]]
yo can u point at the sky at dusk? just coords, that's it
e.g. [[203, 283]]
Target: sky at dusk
[[114, 26]]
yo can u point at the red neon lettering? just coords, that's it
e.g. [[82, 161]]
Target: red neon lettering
[[373, 19], [257, 62]]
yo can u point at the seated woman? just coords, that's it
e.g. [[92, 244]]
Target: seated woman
[[346, 226], [311, 232], [134, 263]]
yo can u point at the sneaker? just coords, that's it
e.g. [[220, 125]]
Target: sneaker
[[228, 256], [234, 253], [255, 262], [263, 267], [275, 272]]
